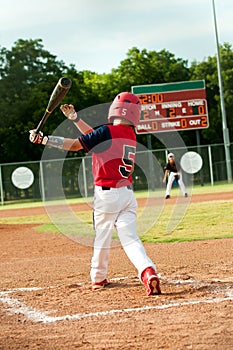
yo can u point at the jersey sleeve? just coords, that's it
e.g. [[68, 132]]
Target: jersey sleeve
[[97, 141]]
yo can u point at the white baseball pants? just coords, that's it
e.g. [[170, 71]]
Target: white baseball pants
[[116, 207], [170, 181]]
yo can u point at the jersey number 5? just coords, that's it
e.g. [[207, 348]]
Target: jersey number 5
[[128, 161]]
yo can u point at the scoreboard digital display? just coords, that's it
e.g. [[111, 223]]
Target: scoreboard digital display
[[172, 107]]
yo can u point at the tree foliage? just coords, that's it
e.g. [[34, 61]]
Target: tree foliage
[[208, 71], [28, 74]]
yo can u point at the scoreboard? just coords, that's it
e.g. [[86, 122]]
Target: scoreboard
[[172, 107]]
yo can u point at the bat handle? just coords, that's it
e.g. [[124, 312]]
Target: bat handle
[[42, 122]]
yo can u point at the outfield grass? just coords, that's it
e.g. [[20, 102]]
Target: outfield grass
[[139, 194], [205, 220], [198, 221]]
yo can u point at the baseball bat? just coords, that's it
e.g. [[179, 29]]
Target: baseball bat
[[56, 97]]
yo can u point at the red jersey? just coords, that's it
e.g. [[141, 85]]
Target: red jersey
[[113, 150]]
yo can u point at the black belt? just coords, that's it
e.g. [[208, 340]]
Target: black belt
[[104, 188]]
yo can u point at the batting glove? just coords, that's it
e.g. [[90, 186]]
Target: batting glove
[[37, 138]]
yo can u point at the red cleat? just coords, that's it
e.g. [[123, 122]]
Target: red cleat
[[151, 281], [99, 285]]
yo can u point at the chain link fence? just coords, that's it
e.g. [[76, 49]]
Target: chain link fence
[[72, 177]]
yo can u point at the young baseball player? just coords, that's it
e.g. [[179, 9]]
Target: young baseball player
[[113, 148], [173, 172]]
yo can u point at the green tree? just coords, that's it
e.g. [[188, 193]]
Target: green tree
[[150, 67], [140, 68], [208, 71], [27, 73]]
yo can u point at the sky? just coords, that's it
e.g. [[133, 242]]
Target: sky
[[96, 35]]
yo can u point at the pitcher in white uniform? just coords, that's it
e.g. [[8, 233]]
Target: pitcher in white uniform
[[173, 172]]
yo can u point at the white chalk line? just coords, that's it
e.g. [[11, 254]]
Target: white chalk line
[[14, 306]]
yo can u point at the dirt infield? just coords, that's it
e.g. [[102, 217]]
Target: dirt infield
[[47, 303]]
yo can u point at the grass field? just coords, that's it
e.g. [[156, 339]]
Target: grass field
[[197, 221], [206, 220]]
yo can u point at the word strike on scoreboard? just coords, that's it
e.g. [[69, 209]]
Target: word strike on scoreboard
[[170, 107]]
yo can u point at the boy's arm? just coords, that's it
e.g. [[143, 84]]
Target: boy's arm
[[55, 141], [71, 114]]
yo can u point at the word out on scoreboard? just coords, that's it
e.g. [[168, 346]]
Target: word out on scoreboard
[[172, 107]]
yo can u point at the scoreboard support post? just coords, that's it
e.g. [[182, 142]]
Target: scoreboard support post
[[151, 166], [199, 151]]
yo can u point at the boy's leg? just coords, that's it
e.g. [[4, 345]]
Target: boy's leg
[[99, 261], [182, 186], [127, 232], [103, 222], [171, 178]]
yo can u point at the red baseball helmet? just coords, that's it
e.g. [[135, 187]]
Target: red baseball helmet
[[125, 105]]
